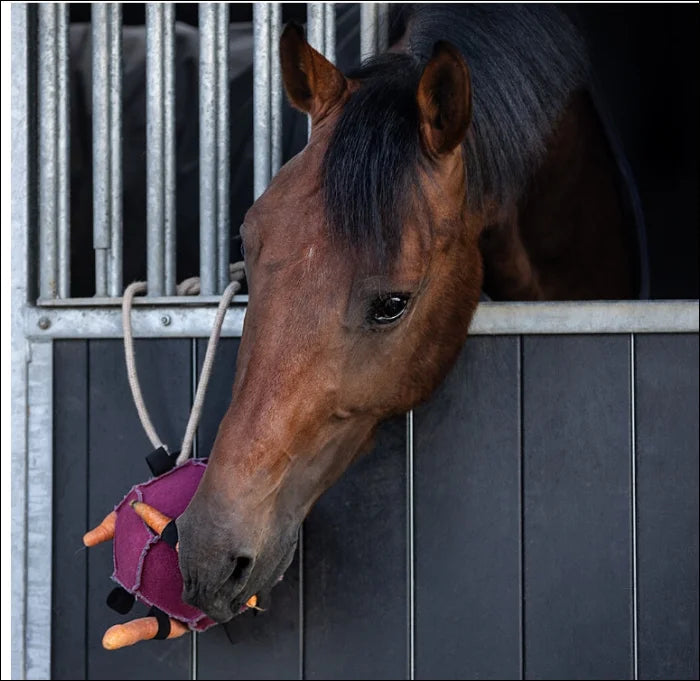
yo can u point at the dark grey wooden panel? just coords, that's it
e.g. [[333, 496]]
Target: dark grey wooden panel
[[577, 507], [256, 645], [116, 462], [252, 646], [666, 369], [467, 518], [355, 607], [70, 484], [218, 397]]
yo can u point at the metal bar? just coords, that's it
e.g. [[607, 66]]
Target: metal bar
[[106, 148], [208, 127], [19, 245], [155, 210], [214, 148], [48, 170], [148, 322], [368, 29], [382, 27], [183, 301], [329, 31], [63, 150], [39, 510], [585, 317], [160, 156], [315, 22], [223, 222], [275, 89], [116, 246], [101, 163], [315, 32], [490, 319], [261, 97], [169, 171]]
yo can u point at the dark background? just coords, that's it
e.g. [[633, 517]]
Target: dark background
[[645, 62], [645, 59]]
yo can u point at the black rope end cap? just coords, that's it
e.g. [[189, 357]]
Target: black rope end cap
[[121, 600], [159, 461]]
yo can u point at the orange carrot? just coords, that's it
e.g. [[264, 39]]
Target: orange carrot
[[103, 532], [252, 602], [142, 629], [151, 516]]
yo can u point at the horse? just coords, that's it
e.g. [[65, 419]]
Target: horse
[[469, 156]]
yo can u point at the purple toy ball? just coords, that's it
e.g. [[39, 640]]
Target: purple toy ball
[[145, 550], [144, 564]]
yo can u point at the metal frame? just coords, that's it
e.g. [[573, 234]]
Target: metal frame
[[39, 511], [19, 393], [172, 319], [32, 383]]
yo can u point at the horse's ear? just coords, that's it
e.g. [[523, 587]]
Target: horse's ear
[[312, 83], [444, 100]]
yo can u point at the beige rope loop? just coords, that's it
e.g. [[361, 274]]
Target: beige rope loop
[[189, 286], [129, 293], [207, 366]]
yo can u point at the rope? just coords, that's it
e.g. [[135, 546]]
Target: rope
[[129, 293], [187, 287], [193, 422]]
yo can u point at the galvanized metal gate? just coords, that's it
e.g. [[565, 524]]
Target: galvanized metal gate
[[537, 520]]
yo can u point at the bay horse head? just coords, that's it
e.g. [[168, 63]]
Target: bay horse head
[[364, 271]]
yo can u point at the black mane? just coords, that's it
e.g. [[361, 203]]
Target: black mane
[[525, 61]]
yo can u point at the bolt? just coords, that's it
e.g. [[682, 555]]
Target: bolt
[[44, 323], [165, 320]]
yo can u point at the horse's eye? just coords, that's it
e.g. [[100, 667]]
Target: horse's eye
[[388, 308]]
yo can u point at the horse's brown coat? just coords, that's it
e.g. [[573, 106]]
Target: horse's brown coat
[[314, 376]]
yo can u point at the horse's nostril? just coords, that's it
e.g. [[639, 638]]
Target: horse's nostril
[[242, 566]]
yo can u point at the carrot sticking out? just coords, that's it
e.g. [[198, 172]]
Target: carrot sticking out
[[156, 520], [252, 602], [142, 629], [103, 532]]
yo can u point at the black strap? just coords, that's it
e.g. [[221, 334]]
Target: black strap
[[169, 534], [120, 599], [159, 461], [163, 623]]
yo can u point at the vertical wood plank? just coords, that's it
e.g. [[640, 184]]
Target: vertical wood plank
[[256, 645], [577, 507], [355, 609], [252, 645], [666, 391], [69, 604], [117, 447], [467, 518], [218, 397]]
